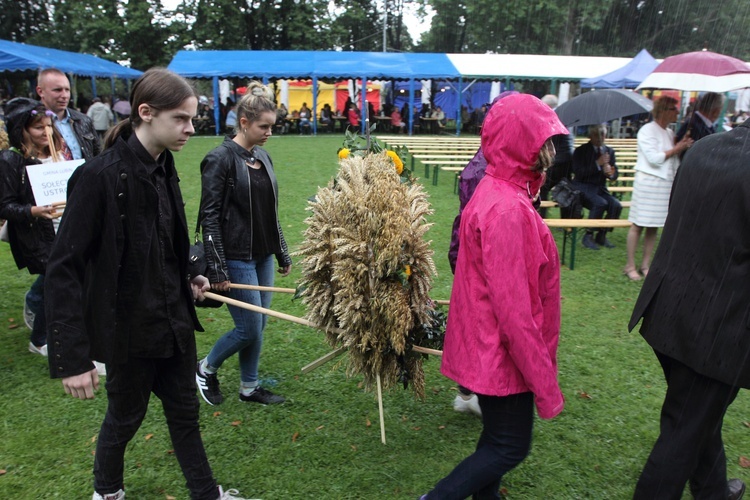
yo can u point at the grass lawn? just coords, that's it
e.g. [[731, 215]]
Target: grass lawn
[[325, 441]]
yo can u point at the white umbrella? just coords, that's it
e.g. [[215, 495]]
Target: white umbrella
[[703, 71]]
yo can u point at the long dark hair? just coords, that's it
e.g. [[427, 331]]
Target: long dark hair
[[161, 89]]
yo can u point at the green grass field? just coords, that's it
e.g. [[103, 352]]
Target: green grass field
[[325, 441]]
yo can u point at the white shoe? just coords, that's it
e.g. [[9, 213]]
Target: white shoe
[[117, 495], [230, 495], [38, 350], [100, 369], [467, 405]]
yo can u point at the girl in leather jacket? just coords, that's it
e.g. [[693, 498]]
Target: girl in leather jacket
[[242, 237]]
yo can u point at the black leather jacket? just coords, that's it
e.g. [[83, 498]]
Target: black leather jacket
[[84, 130], [30, 237], [225, 208]]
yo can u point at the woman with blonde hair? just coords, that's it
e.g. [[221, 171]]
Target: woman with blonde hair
[[658, 160], [242, 236]]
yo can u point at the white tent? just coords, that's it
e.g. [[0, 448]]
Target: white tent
[[534, 67]]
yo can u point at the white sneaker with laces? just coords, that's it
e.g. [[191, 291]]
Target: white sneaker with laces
[[101, 369], [468, 404], [230, 495], [117, 495], [42, 351]]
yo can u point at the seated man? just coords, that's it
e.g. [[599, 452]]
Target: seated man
[[593, 165]]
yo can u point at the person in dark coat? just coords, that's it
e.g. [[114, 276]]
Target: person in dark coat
[[695, 306], [593, 165], [701, 121], [30, 227], [118, 288]]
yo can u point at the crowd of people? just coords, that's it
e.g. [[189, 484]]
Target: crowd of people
[[114, 296]]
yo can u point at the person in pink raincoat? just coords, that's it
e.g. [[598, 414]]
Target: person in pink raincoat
[[504, 323]]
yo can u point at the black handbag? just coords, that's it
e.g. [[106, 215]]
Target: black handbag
[[568, 198], [198, 265]]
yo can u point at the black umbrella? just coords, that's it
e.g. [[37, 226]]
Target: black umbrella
[[600, 106]]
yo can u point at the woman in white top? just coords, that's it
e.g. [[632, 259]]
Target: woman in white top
[[658, 160]]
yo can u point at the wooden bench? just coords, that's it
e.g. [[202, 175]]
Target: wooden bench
[[435, 164], [571, 227]]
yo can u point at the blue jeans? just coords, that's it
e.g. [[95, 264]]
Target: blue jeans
[[504, 443], [35, 303], [247, 335]]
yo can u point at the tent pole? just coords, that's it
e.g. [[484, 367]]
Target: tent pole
[[93, 86], [315, 105], [411, 106], [460, 106], [217, 100], [364, 116]]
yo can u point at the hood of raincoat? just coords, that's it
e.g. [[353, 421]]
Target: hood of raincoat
[[513, 133], [17, 115]]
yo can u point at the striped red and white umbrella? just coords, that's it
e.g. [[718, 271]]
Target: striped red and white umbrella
[[703, 71]]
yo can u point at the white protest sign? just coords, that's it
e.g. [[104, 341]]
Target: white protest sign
[[49, 181]]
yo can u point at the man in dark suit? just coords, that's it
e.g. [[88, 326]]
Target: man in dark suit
[[695, 305], [701, 123], [593, 165]]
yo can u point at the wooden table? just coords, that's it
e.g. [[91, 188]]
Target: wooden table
[[384, 123]]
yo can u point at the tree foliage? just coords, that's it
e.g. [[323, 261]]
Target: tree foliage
[[588, 27]]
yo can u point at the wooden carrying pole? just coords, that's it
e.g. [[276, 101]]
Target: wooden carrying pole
[[51, 139], [294, 319], [302, 321]]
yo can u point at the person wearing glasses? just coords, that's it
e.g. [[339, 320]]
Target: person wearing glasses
[[657, 163]]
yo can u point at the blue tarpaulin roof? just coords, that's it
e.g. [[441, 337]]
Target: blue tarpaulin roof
[[16, 56], [308, 64], [627, 77]]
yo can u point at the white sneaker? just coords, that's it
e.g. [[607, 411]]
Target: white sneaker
[[230, 495], [467, 405], [101, 369], [38, 350], [117, 495]]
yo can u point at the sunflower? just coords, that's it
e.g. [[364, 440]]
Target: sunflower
[[344, 153], [396, 161]]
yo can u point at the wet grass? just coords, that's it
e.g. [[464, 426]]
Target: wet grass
[[325, 442]]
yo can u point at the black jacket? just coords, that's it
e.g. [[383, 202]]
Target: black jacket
[[585, 168], [87, 136], [30, 237], [695, 302], [225, 208], [697, 128], [96, 264]]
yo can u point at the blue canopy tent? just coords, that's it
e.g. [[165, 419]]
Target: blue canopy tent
[[15, 56], [626, 77], [313, 65]]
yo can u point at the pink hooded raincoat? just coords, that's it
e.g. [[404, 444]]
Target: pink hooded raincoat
[[504, 321]]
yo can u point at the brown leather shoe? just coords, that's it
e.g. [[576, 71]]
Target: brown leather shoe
[[736, 489]]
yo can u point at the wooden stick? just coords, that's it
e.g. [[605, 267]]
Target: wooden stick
[[269, 312], [240, 286], [51, 139], [380, 410], [323, 360]]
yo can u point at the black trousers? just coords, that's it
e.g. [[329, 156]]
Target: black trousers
[[129, 387], [689, 447], [505, 442]]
